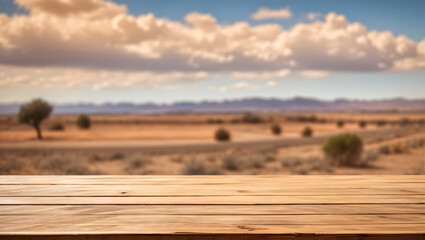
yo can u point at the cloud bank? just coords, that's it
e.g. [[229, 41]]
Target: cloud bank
[[99, 44], [266, 13]]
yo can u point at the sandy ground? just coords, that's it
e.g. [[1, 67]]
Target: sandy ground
[[169, 143], [184, 127]]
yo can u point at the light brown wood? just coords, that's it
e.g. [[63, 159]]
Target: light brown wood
[[212, 207]]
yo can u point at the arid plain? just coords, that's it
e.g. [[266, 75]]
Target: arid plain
[[185, 144]]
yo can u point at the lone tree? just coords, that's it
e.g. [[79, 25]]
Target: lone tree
[[83, 121], [340, 123], [362, 124], [34, 113]]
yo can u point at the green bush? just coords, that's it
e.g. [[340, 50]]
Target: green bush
[[276, 129], [362, 124], [57, 127], [307, 132], [344, 149], [83, 121], [340, 123], [222, 135]]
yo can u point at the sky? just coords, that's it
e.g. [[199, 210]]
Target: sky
[[69, 51]]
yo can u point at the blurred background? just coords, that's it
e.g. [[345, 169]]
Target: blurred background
[[198, 87]]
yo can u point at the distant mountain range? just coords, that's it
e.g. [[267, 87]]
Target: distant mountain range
[[242, 105]]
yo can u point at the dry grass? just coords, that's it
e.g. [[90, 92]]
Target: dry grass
[[10, 164], [66, 166], [197, 166]]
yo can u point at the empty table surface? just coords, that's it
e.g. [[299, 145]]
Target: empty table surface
[[212, 207]]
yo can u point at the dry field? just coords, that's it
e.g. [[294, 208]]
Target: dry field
[[184, 144]]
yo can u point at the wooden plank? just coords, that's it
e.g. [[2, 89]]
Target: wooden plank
[[212, 200], [226, 179], [347, 209], [212, 207], [244, 236], [201, 190], [76, 228], [215, 219]]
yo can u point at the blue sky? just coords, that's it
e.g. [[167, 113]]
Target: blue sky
[[398, 17]]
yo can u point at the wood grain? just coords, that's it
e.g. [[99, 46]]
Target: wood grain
[[211, 207]]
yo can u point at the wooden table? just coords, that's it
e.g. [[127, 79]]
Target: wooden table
[[212, 207]]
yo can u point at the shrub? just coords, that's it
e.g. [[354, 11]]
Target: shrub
[[214, 121], [34, 113], [399, 148], [404, 121], [197, 167], [276, 129], [230, 162], [251, 118], [96, 158], [291, 161], [385, 149], [381, 123], [57, 127], [302, 118], [362, 124], [307, 132], [344, 149], [222, 135], [256, 161], [83, 121], [270, 157], [117, 156], [340, 123], [301, 170], [139, 161], [415, 143]]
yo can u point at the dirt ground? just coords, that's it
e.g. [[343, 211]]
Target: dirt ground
[[129, 137], [187, 126]]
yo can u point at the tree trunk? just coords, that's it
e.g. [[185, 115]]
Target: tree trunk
[[37, 128]]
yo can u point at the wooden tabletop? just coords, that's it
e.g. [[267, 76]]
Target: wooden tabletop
[[212, 207]]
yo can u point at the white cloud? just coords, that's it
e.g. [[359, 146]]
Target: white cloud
[[69, 43], [223, 89], [271, 83], [312, 16], [313, 74], [266, 13], [245, 86]]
